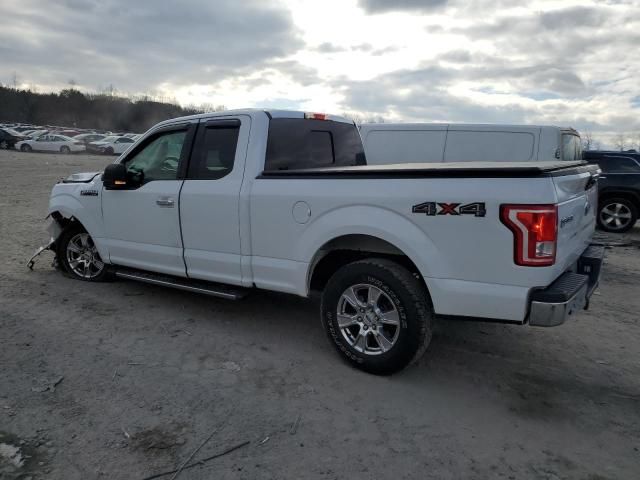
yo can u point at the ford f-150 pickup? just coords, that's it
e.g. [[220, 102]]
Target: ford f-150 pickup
[[226, 202]]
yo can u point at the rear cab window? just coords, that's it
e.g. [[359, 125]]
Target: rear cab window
[[296, 143], [571, 147]]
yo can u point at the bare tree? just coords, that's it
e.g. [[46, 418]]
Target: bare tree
[[14, 80], [635, 141], [620, 141], [587, 141]]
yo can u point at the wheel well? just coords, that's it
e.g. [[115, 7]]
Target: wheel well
[[350, 248], [65, 222]]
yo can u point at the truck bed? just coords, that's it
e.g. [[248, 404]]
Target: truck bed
[[434, 170]]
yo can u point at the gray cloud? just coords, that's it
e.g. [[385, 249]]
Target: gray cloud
[[143, 43], [328, 47], [382, 6]]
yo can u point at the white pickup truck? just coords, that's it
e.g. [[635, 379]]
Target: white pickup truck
[[223, 203]]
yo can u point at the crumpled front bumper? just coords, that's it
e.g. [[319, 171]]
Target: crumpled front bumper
[[54, 230], [569, 293]]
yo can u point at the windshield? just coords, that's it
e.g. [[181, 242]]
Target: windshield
[[110, 139], [571, 147]]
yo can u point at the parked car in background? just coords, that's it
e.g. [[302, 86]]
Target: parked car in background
[[441, 142], [87, 138], [22, 128], [618, 189], [51, 143], [35, 134], [9, 138], [112, 145]]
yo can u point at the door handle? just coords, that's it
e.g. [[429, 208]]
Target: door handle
[[165, 202]]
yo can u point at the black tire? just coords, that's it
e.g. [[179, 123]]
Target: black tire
[[108, 151], [402, 291], [607, 209], [4, 145], [65, 150], [25, 148], [62, 244]]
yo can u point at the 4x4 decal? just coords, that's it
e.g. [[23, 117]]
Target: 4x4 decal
[[477, 209]]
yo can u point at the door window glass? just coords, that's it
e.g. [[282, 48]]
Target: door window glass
[[619, 165], [159, 159], [216, 153]]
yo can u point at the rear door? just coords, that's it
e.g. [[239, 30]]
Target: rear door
[[209, 200]]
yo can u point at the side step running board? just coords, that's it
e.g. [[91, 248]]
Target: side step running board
[[190, 285]]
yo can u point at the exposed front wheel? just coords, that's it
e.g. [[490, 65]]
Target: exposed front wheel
[[109, 151], [25, 148], [4, 145], [78, 255], [65, 150], [377, 315], [617, 215]]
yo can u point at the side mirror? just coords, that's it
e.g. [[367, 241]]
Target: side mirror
[[115, 176]]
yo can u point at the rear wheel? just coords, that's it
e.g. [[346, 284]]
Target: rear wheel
[[64, 149], [377, 315], [26, 148], [617, 215], [78, 255]]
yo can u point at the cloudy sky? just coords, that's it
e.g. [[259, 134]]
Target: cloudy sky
[[494, 61]]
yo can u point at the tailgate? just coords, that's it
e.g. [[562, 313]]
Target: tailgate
[[577, 205]]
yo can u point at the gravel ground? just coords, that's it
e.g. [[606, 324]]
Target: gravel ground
[[126, 380]]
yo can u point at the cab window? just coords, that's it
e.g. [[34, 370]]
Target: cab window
[[215, 152], [571, 147], [158, 159]]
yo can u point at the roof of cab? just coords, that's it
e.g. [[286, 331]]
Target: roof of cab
[[251, 111]]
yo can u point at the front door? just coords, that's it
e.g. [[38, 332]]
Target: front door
[[142, 223]]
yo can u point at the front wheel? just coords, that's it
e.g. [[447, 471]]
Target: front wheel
[[377, 315], [108, 151], [78, 255], [65, 150], [25, 148], [617, 215]]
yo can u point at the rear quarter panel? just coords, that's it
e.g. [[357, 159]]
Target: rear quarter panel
[[476, 250]]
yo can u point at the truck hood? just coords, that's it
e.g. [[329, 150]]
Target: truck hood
[[81, 177]]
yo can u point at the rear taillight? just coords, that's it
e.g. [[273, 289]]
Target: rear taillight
[[535, 232]]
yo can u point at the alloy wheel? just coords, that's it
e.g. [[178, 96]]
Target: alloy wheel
[[615, 216], [83, 257], [368, 319]]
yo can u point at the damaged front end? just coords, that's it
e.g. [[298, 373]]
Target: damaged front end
[[55, 229]]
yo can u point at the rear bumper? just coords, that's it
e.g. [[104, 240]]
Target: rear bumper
[[569, 293]]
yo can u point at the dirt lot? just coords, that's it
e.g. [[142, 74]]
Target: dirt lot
[[125, 380]]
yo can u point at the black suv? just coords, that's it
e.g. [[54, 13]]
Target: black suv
[[618, 189]]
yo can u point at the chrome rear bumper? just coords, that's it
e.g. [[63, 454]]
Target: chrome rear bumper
[[570, 292]]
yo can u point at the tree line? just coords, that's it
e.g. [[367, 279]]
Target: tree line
[[74, 109]]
